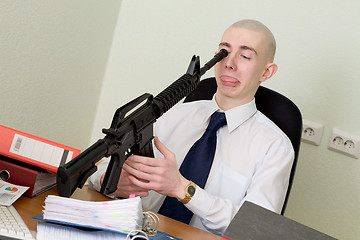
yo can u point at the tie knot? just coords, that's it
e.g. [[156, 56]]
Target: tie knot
[[217, 120]]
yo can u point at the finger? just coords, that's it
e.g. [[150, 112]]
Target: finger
[[133, 168], [139, 171], [133, 159], [148, 165], [142, 194], [130, 183], [141, 184], [162, 148]]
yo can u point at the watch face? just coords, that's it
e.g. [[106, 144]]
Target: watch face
[[191, 190]]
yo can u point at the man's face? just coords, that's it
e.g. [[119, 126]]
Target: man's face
[[239, 74]]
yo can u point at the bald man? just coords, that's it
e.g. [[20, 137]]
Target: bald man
[[253, 156]]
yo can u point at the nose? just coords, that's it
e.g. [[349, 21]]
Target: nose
[[230, 62]]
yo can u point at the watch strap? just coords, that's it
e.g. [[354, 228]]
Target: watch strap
[[188, 196]]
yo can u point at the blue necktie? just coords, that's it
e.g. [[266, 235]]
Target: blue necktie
[[195, 167]]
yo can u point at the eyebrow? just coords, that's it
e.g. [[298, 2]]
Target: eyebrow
[[243, 47]]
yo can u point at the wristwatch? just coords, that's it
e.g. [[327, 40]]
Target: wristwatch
[[189, 192]]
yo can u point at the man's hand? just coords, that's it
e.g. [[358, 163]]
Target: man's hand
[[159, 174], [125, 187]]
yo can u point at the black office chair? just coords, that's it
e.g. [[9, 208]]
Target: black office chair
[[281, 110]]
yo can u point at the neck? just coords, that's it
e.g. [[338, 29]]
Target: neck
[[226, 103]]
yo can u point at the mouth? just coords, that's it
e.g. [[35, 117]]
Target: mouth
[[229, 81]]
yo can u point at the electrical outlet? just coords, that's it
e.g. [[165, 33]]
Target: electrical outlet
[[345, 143], [312, 132]]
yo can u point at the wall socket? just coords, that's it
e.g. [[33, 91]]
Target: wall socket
[[312, 132], [345, 143]]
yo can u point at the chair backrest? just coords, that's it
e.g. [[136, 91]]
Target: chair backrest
[[278, 108]]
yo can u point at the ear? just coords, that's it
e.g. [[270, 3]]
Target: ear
[[270, 70]]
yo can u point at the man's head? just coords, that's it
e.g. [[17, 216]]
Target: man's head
[[251, 47]]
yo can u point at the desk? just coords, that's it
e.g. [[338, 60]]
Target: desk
[[29, 207]]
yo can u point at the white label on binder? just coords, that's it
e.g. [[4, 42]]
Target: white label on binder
[[40, 151]]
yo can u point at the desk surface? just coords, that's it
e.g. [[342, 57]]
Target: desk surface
[[29, 207]]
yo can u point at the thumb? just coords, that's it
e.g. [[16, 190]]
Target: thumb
[[162, 148]]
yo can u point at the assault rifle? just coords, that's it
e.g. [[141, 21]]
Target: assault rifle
[[130, 132]]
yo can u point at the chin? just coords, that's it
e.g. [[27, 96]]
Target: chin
[[227, 91]]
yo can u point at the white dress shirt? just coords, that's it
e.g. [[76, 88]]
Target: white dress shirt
[[252, 162]]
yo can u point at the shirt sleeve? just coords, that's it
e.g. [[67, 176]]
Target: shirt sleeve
[[94, 179], [215, 213], [271, 179], [267, 188]]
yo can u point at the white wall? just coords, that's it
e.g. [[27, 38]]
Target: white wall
[[317, 55], [52, 63]]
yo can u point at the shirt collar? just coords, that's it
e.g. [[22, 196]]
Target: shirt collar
[[235, 116]]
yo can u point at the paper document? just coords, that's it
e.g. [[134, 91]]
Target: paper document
[[9, 192], [61, 232], [116, 215], [117, 219], [44, 230]]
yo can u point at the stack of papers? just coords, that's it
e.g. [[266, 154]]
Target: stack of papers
[[116, 215], [59, 232]]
